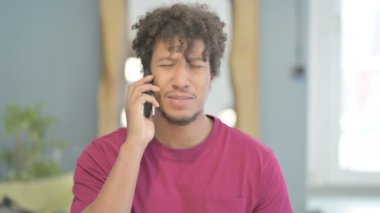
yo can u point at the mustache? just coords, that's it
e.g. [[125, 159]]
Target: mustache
[[179, 92]]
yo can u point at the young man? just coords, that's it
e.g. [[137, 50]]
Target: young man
[[180, 159]]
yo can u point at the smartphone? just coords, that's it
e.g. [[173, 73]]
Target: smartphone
[[148, 108]]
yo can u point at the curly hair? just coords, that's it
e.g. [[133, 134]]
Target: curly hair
[[187, 22]]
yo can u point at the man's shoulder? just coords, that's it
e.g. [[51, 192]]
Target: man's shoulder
[[116, 137], [238, 135], [108, 143], [239, 139]]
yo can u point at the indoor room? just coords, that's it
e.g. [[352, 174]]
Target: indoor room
[[301, 77]]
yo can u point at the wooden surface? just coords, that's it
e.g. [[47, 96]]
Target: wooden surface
[[245, 64]]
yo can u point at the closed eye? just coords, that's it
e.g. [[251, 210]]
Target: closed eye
[[196, 63], [165, 65], [195, 66]]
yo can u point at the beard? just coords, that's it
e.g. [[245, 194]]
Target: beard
[[184, 121]]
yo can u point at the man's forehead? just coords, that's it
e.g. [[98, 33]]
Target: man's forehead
[[176, 45]]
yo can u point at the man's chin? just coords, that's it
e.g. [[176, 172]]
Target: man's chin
[[180, 120]]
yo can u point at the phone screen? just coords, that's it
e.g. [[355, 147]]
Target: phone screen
[[148, 106]]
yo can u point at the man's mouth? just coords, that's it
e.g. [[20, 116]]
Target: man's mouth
[[180, 99]]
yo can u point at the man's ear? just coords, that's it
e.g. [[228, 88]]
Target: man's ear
[[212, 78]]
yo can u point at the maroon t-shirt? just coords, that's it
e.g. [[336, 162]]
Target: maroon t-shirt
[[229, 172]]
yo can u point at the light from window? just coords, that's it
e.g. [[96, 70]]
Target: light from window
[[359, 142], [228, 116], [132, 70], [123, 118]]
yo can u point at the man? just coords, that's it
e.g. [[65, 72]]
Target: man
[[180, 159]]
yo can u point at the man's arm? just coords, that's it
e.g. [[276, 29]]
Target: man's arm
[[118, 190]]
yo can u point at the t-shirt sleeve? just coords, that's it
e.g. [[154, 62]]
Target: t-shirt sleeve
[[89, 176], [274, 196]]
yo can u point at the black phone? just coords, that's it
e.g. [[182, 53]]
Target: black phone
[[148, 108]]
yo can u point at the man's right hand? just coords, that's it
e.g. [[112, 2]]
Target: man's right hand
[[118, 190], [140, 129]]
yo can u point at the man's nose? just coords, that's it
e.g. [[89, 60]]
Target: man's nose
[[181, 75]]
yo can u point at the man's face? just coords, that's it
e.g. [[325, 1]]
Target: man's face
[[184, 85]]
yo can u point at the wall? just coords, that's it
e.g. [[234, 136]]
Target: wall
[[282, 93], [50, 53]]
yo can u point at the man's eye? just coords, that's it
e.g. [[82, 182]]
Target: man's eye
[[166, 65], [195, 66]]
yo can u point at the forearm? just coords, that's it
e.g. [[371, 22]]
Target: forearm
[[118, 191]]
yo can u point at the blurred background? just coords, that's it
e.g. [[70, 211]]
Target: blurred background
[[301, 76]]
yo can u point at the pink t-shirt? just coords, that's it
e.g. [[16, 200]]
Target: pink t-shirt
[[229, 172]]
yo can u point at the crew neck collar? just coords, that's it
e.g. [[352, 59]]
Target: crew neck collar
[[187, 154]]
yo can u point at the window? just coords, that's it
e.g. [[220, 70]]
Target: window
[[344, 93], [359, 141]]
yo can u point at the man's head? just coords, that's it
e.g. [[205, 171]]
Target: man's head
[[182, 46], [186, 23]]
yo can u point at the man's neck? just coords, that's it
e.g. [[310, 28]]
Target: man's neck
[[182, 137]]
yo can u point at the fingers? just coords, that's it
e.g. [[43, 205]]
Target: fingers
[[135, 107], [137, 94], [148, 98], [141, 86]]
